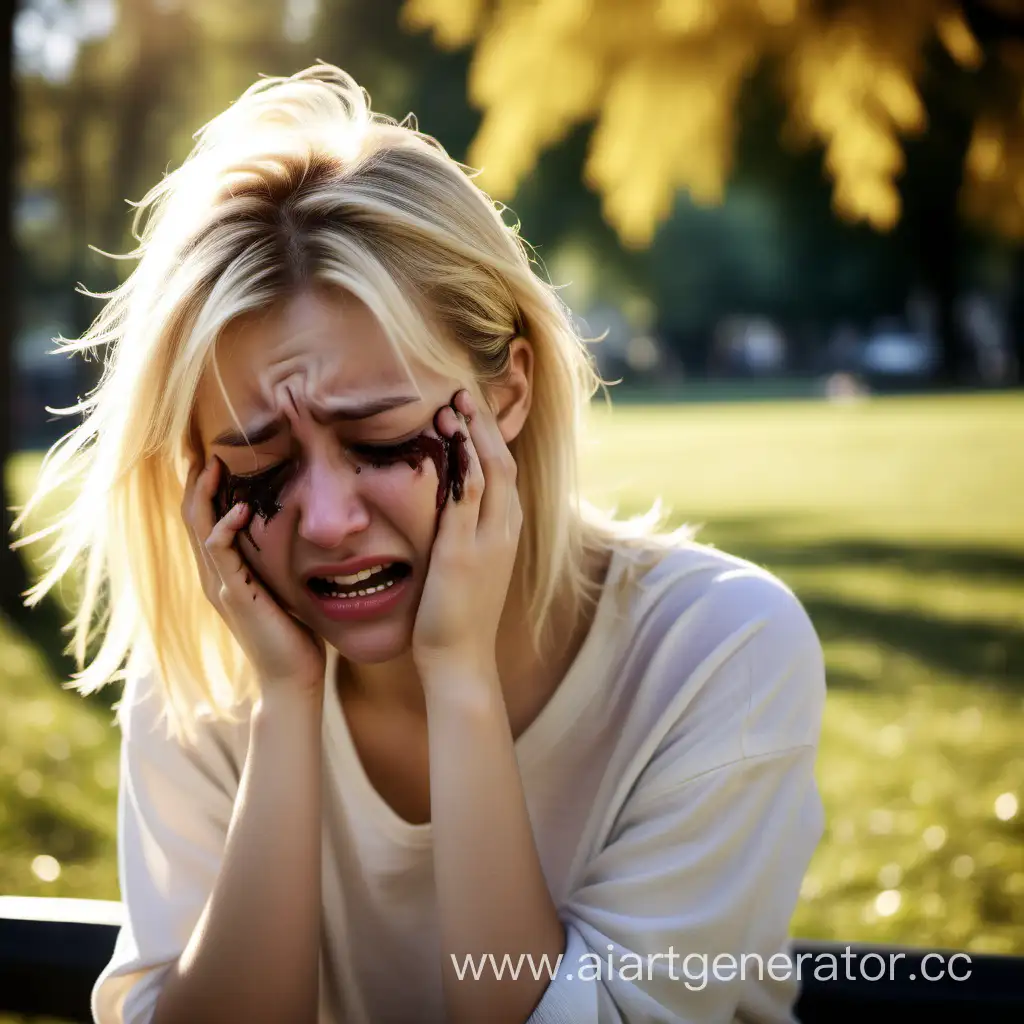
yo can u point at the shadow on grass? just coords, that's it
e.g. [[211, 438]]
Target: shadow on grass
[[774, 541], [52, 828], [975, 563], [984, 651]]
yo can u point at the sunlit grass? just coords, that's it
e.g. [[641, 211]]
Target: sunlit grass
[[58, 783], [900, 523]]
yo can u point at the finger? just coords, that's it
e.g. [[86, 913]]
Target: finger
[[498, 467], [471, 491], [460, 512], [223, 552], [213, 533]]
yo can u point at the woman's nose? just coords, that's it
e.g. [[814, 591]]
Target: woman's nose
[[332, 508]]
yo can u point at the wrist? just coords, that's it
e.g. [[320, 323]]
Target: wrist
[[288, 702], [463, 685]]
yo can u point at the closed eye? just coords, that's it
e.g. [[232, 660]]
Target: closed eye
[[259, 490], [249, 477], [378, 450], [368, 451]]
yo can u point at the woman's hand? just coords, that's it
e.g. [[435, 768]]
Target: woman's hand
[[286, 655], [474, 551]]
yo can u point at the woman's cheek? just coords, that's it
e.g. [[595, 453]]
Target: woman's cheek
[[405, 494], [268, 553]]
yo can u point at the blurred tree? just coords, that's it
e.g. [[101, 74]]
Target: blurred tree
[[96, 132], [661, 81], [13, 579], [100, 136], [44, 626]]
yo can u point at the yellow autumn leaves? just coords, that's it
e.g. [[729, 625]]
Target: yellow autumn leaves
[[659, 79]]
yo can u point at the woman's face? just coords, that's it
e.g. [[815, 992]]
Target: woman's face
[[320, 374]]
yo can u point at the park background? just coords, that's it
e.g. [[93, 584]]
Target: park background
[[797, 225]]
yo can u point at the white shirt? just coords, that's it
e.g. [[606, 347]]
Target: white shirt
[[670, 784]]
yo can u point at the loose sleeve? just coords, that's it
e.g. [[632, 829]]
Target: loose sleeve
[[174, 808], [683, 914]]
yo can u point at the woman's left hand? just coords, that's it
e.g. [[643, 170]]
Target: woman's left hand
[[473, 554]]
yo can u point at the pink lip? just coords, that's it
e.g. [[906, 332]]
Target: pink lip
[[349, 568], [346, 609]]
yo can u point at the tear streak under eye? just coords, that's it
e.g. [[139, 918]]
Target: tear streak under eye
[[260, 492]]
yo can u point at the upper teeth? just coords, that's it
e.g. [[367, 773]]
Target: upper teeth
[[348, 581]]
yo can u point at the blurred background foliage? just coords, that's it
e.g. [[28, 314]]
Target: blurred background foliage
[[872, 151], [662, 80], [800, 223]]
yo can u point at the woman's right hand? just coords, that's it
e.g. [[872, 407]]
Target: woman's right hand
[[287, 656]]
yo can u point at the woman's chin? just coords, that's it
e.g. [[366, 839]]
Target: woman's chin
[[368, 644]]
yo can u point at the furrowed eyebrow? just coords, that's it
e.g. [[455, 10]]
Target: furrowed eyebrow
[[340, 413]]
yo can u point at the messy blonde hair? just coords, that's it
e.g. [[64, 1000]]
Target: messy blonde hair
[[297, 183]]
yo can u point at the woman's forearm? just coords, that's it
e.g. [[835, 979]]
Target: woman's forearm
[[492, 896], [254, 953]]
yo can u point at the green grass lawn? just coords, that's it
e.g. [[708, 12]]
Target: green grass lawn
[[899, 522]]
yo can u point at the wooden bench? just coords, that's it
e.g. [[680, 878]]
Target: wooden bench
[[51, 951]]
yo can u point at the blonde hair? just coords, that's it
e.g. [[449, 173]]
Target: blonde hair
[[296, 183]]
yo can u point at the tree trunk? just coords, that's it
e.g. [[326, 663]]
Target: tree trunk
[[13, 578], [159, 37], [1016, 317], [41, 625], [939, 256], [932, 184]]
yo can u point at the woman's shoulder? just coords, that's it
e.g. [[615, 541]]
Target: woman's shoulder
[[711, 636], [215, 745], [668, 576]]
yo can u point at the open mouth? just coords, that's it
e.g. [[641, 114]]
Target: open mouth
[[364, 583]]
